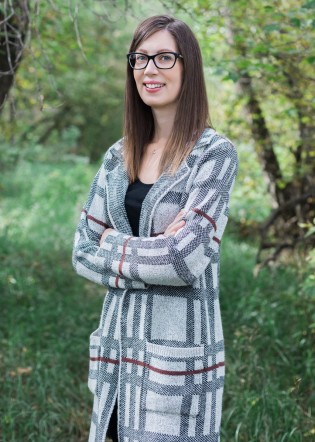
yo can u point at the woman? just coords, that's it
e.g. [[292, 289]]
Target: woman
[[150, 232]]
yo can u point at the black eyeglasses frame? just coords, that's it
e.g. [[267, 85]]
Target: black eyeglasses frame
[[152, 57]]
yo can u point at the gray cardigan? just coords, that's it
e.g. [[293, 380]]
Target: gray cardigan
[[159, 346]]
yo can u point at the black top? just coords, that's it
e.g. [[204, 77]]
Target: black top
[[135, 195]]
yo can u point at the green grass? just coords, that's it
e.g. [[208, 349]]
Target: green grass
[[269, 330], [48, 312]]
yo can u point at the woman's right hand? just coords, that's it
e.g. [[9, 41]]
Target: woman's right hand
[[175, 225]]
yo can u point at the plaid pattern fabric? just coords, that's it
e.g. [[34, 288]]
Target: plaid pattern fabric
[[159, 346]]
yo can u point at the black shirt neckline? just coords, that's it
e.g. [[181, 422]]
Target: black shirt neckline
[[145, 184]]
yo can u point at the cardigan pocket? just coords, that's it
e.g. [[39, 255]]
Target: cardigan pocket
[[94, 351], [171, 384]]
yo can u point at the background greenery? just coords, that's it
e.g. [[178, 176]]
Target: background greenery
[[64, 111]]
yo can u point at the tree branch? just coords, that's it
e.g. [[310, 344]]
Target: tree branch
[[279, 210]]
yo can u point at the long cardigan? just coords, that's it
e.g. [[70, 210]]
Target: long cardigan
[[159, 346]]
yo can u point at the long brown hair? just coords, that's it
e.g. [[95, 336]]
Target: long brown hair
[[192, 114]]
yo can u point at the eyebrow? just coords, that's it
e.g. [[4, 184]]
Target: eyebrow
[[160, 50]]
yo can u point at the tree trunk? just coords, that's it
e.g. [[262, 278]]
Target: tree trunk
[[295, 199], [14, 22], [261, 135]]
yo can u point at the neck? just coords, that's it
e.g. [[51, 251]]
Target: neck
[[163, 124]]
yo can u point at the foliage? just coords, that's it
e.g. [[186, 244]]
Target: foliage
[[14, 24], [269, 57], [72, 77]]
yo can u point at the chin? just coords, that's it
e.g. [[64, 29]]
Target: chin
[[153, 103], [156, 103]]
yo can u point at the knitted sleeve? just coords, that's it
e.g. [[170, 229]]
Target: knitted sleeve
[[180, 259], [86, 258]]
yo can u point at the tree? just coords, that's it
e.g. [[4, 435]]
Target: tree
[[267, 49], [70, 89], [14, 23]]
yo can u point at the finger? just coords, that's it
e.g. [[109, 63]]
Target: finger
[[180, 224], [174, 222], [174, 232], [177, 226], [179, 215]]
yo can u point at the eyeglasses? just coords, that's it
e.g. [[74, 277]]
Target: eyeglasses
[[163, 60]]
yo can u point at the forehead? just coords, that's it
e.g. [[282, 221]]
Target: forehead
[[159, 41]]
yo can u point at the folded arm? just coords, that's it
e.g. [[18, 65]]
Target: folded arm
[[86, 258], [180, 259]]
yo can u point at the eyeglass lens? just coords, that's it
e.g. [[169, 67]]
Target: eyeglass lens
[[163, 61]]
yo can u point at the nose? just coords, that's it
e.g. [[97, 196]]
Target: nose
[[151, 68]]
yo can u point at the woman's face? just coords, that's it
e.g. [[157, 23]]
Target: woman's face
[[159, 88]]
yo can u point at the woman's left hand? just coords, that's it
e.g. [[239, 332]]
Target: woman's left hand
[[105, 233]]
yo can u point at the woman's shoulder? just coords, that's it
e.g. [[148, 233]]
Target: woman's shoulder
[[115, 149], [215, 151], [113, 154], [212, 143], [210, 138]]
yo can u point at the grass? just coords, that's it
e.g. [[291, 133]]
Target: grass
[[48, 313], [269, 330]]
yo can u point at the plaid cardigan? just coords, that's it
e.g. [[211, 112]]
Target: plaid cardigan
[[159, 345]]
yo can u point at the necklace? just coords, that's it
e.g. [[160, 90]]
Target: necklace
[[155, 150]]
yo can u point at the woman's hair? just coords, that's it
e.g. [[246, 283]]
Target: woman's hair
[[192, 114]]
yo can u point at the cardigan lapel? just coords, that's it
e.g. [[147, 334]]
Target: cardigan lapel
[[165, 183], [116, 187], [117, 182], [161, 187]]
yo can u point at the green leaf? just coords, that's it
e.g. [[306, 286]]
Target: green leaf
[[234, 76], [309, 5], [203, 4], [272, 27], [310, 232], [281, 184], [296, 22], [260, 48]]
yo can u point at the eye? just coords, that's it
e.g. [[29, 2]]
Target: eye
[[165, 57], [141, 57]]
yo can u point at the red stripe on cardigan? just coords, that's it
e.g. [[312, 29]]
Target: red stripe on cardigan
[[173, 372], [123, 255], [211, 220], [116, 281], [159, 370], [216, 240], [97, 221]]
